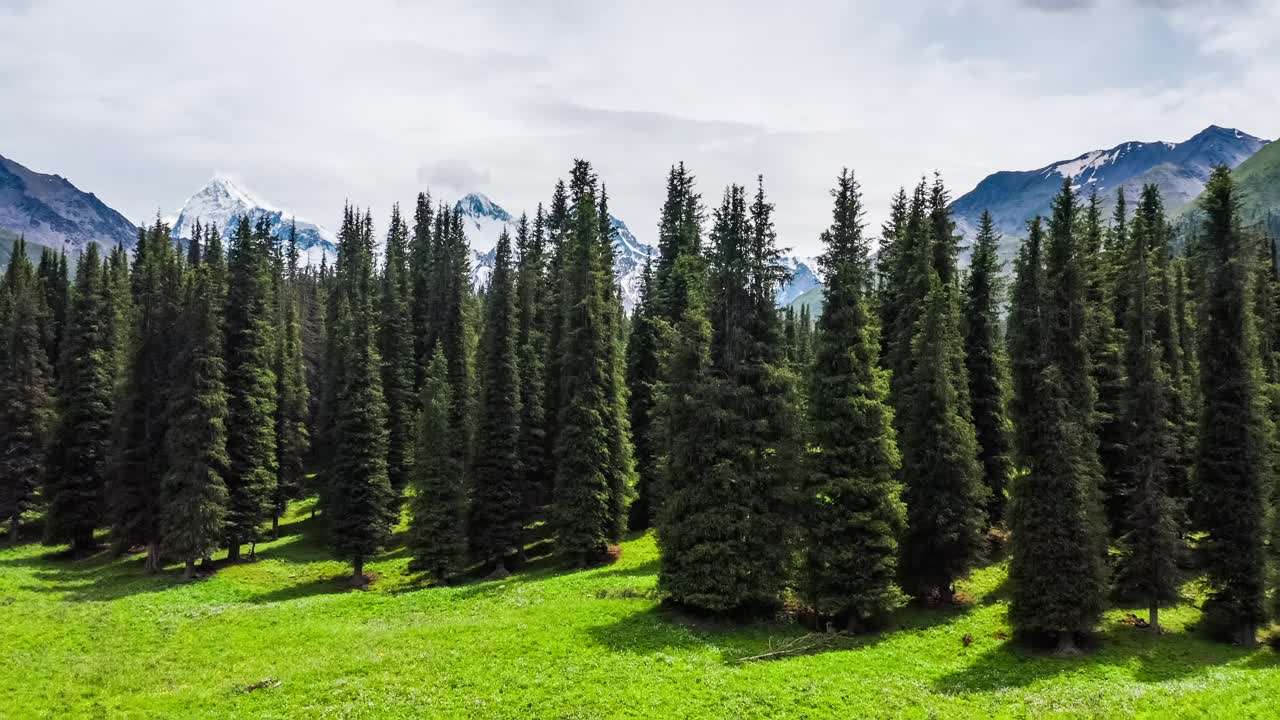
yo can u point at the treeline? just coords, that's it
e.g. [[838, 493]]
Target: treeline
[[1118, 427]]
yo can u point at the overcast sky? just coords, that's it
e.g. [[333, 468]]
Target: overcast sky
[[312, 103]]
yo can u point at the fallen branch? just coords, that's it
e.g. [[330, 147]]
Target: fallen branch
[[795, 646]]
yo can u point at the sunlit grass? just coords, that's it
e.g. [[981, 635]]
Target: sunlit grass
[[97, 638]]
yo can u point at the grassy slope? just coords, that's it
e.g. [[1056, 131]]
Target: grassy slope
[[1259, 181], [96, 638]]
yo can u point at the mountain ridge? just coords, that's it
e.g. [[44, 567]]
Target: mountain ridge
[[1178, 169]]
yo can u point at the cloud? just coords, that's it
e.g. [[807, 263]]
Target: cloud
[[403, 96], [456, 174]]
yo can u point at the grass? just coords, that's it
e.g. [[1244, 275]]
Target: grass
[[96, 638]]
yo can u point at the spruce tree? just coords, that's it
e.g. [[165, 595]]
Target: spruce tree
[[531, 347], [498, 494], [293, 403], [78, 461], [193, 493], [983, 362], [726, 525], [25, 378], [251, 386], [359, 491], [1229, 463], [853, 509], [946, 500], [621, 469], [396, 346], [1056, 570], [1104, 334], [140, 456], [438, 508], [54, 284], [1148, 567], [643, 375], [421, 276], [584, 510]]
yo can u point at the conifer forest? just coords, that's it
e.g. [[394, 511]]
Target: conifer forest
[[1094, 427], [672, 360]]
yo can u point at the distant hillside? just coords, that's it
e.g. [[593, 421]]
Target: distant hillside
[[811, 297], [50, 211], [1258, 187], [1178, 169]]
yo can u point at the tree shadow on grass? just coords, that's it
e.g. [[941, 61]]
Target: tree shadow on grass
[[644, 569], [664, 627], [330, 585], [100, 577], [1148, 658]]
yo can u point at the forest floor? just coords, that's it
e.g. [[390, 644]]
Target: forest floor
[[286, 637]]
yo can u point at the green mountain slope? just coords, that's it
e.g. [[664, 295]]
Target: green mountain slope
[[1258, 184], [1258, 179], [811, 297]]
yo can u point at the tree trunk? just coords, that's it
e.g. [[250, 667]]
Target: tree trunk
[[275, 527], [1154, 620], [190, 570], [357, 574], [233, 551], [253, 550], [13, 531], [152, 564], [1066, 645], [1248, 635], [82, 542]]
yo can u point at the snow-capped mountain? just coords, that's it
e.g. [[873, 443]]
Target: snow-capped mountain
[[1180, 170], [484, 220], [224, 202], [48, 210], [804, 277]]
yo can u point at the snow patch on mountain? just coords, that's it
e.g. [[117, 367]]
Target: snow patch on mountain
[[223, 201], [484, 220]]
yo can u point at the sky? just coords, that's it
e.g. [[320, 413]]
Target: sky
[[311, 104]]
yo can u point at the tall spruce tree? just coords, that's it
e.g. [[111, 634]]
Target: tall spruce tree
[[421, 276], [726, 537], [26, 411], [853, 509], [359, 491], [78, 461], [251, 386], [983, 362], [140, 456], [1056, 571], [438, 509], [498, 494], [193, 492], [395, 342], [946, 500], [54, 284], [584, 510], [643, 375], [1104, 334], [1229, 462], [1148, 567], [621, 469], [531, 347], [293, 404]]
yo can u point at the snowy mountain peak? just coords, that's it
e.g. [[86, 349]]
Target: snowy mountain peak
[[223, 201], [478, 205]]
